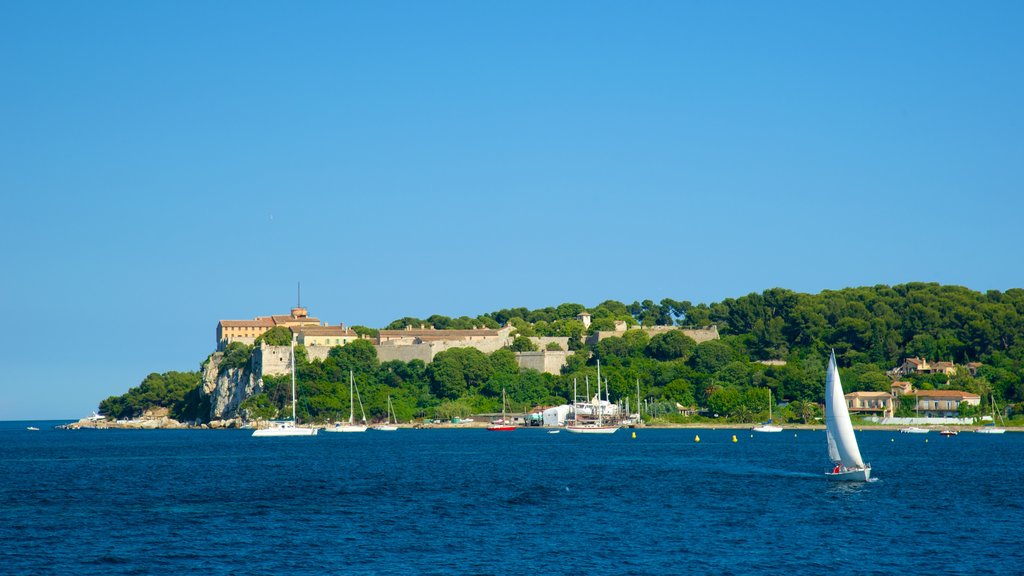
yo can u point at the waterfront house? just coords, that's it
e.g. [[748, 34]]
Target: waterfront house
[[870, 403], [943, 403], [247, 331]]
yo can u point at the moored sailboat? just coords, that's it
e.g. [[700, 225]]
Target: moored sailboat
[[842, 442], [351, 426], [502, 425], [286, 427], [597, 427], [387, 426], [767, 426]]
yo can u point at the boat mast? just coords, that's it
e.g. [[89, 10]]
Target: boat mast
[[639, 418], [293, 378], [599, 393], [351, 399]]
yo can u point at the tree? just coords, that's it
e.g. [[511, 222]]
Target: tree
[[671, 346], [522, 344], [276, 336]]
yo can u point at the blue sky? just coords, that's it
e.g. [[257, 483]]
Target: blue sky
[[167, 165]]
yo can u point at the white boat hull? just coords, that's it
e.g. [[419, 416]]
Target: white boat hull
[[592, 429], [855, 475], [766, 428], [991, 430], [287, 431], [346, 428], [913, 430], [385, 428]]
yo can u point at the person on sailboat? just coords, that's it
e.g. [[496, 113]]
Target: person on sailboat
[[836, 470]]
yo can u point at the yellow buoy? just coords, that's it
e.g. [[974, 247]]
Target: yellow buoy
[[734, 438], [926, 440], [696, 438], [634, 435]]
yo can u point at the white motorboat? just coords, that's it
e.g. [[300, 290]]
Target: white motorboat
[[842, 442], [597, 427], [914, 430]]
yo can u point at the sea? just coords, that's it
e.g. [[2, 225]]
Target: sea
[[445, 501]]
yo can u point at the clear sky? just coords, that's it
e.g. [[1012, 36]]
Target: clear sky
[[167, 165]]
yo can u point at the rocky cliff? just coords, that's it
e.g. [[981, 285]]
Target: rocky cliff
[[228, 388]]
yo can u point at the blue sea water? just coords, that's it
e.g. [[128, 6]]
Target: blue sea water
[[475, 502]]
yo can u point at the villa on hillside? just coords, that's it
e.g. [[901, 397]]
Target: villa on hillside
[[871, 403]]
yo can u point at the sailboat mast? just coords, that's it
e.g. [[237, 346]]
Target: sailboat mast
[[599, 393], [638, 417], [351, 399], [293, 378]]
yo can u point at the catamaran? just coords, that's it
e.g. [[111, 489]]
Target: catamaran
[[768, 426], [842, 442], [286, 427], [351, 426]]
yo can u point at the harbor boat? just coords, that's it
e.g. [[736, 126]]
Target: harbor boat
[[502, 425], [387, 426], [32, 429], [948, 432], [351, 426], [842, 442], [597, 427], [553, 431], [991, 427], [767, 426], [286, 427], [914, 430]]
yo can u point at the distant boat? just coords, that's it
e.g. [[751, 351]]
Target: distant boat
[[914, 430], [598, 427], [95, 417], [286, 427], [32, 429], [553, 431], [387, 426], [768, 426], [502, 425], [351, 426], [842, 442], [948, 432], [991, 428]]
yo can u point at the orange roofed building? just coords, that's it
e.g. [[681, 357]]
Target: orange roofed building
[[247, 331]]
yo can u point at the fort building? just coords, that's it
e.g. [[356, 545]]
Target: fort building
[[247, 331]]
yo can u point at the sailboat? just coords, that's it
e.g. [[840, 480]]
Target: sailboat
[[991, 428], [387, 426], [842, 442], [502, 425], [598, 427], [768, 426], [286, 427], [351, 426]]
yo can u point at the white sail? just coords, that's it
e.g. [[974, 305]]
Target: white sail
[[842, 443]]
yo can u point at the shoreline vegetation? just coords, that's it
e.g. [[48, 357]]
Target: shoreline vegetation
[[772, 345]]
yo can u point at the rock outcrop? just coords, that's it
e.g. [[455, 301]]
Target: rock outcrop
[[228, 388]]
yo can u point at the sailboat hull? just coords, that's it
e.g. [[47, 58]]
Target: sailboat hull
[[385, 428], [990, 431], [856, 475], [346, 428], [766, 428], [291, 431], [592, 429]]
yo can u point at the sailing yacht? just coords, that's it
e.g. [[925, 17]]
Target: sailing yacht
[[502, 425], [767, 426], [286, 427], [842, 442], [351, 426], [991, 428], [387, 426]]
